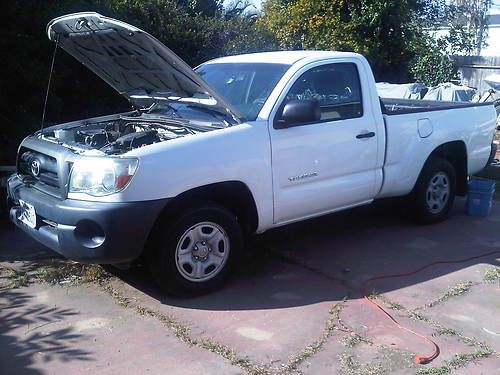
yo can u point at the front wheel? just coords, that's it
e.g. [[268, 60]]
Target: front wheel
[[434, 192], [194, 254]]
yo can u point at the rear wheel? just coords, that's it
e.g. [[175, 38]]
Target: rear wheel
[[434, 192], [195, 253]]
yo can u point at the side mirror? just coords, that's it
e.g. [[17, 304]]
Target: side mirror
[[299, 112]]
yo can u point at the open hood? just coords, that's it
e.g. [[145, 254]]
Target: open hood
[[131, 61]]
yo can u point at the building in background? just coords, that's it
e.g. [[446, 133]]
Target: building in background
[[492, 47], [492, 35], [475, 68]]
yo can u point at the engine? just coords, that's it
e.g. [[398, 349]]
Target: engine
[[119, 136]]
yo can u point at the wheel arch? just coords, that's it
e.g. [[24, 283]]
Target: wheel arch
[[233, 195], [455, 152]]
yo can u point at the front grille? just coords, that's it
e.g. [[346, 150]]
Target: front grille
[[38, 167]]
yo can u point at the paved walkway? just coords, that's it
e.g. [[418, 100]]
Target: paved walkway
[[294, 307]]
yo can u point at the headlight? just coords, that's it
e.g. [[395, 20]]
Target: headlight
[[101, 176]]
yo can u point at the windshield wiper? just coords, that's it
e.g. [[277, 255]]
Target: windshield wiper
[[219, 114], [172, 110]]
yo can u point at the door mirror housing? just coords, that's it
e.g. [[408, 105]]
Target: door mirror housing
[[299, 112]]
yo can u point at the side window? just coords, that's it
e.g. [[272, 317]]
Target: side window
[[335, 86]]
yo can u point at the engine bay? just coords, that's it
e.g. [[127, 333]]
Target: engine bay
[[120, 135]]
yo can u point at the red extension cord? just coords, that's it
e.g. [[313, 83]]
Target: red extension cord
[[420, 359]]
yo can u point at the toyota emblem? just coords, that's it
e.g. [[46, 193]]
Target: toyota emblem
[[35, 168]]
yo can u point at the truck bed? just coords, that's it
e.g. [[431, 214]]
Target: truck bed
[[426, 125], [403, 106]]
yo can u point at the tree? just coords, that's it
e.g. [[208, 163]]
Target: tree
[[379, 29], [206, 7], [466, 21], [241, 8], [386, 29], [430, 65], [319, 24]]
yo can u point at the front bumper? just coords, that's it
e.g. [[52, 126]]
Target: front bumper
[[88, 232]]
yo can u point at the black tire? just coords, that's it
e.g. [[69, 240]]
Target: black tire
[[162, 259], [423, 213]]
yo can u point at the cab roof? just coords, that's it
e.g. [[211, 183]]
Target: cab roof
[[282, 57]]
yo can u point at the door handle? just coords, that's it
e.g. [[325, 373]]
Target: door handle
[[365, 135]]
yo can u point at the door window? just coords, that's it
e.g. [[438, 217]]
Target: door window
[[335, 86]]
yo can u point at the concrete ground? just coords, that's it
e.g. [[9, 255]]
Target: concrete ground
[[294, 306]]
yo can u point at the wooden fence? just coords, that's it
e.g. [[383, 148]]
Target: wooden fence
[[474, 69]]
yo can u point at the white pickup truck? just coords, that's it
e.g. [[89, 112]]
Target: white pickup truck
[[239, 145]]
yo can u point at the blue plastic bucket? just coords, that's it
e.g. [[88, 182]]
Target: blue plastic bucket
[[480, 197]]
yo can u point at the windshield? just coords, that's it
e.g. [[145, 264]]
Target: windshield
[[246, 86]]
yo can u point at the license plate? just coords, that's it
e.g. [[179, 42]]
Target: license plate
[[28, 214]]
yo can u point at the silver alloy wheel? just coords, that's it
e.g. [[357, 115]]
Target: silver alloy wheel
[[438, 192], [202, 251]]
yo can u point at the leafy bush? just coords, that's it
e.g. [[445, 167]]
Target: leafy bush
[[430, 65]]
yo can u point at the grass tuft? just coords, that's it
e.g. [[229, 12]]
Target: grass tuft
[[15, 278], [349, 363], [445, 331], [20, 280], [434, 371], [392, 305], [492, 274], [457, 290], [461, 359], [60, 273], [182, 333], [457, 361], [351, 340], [72, 273], [293, 362]]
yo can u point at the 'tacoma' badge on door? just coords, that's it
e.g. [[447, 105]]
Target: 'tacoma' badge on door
[[302, 176]]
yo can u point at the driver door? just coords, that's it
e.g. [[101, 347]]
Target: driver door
[[329, 164]]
